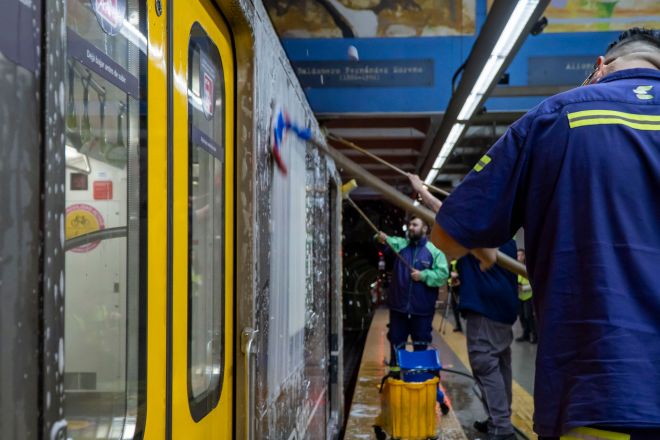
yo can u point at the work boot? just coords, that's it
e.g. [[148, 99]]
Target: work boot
[[481, 426]]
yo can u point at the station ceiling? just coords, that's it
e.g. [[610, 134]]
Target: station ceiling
[[403, 139]]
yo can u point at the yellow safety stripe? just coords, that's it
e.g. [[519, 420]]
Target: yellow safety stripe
[[593, 434], [485, 160], [612, 121], [632, 116]]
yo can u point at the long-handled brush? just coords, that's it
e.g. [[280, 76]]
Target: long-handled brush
[[388, 192]]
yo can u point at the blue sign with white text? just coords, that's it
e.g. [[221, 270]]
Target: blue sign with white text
[[559, 70], [377, 73]]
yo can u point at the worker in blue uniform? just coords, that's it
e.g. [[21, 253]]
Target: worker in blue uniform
[[489, 302], [414, 287], [581, 174]]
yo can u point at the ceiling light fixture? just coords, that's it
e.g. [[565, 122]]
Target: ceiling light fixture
[[507, 39]]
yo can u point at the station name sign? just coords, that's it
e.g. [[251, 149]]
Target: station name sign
[[377, 73], [559, 70]]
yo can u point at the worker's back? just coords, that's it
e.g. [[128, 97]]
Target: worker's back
[[581, 174], [592, 229]]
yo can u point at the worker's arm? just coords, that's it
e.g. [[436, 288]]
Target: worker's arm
[[454, 250], [396, 243], [486, 209], [429, 199], [437, 275], [443, 241]]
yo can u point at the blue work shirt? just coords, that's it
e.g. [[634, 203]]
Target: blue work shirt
[[493, 293], [581, 173]]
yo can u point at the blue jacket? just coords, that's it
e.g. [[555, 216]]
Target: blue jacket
[[493, 293], [416, 297]]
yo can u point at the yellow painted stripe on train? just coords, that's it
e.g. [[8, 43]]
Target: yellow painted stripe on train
[[522, 407], [613, 121], [633, 116]]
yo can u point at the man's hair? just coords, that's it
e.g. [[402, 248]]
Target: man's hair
[[420, 219], [648, 37]]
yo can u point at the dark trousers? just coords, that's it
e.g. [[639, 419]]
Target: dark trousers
[[402, 325], [527, 321]]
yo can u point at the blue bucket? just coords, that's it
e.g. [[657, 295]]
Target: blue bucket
[[418, 366]]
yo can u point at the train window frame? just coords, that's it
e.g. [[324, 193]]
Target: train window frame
[[203, 403]]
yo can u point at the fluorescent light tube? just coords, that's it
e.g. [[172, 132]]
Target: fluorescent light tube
[[507, 39]]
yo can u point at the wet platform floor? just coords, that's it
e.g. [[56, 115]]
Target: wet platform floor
[[464, 403]]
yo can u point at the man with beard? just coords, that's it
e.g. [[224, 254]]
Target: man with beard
[[414, 286]]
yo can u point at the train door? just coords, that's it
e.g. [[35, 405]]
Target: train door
[[104, 184], [202, 161]]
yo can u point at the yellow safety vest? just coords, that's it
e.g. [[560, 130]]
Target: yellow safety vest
[[524, 294]]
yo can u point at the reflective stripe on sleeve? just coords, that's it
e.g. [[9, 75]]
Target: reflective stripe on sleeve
[[485, 160]]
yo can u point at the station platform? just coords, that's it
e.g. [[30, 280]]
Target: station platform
[[465, 405]]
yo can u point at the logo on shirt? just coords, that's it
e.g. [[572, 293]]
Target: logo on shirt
[[642, 92], [485, 160]]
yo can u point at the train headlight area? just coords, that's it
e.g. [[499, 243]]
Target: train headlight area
[[184, 253]]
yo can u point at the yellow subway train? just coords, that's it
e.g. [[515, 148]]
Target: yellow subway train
[[160, 278]]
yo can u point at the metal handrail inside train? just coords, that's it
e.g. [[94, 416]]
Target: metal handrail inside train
[[90, 237]]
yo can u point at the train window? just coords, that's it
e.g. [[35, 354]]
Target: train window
[[104, 326], [206, 119]]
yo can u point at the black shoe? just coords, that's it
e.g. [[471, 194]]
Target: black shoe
[[481, 426], [458, 330], [444, 408], [533, 340], [523, 338]]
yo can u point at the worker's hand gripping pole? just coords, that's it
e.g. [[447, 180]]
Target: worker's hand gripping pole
[[402, 201]]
